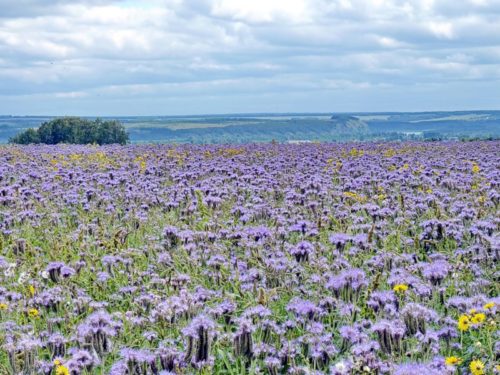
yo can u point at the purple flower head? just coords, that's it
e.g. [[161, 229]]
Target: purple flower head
[[348, 284], [54, 270], [339, 240], [242, 341], [389, 334], [304, 309], [416, 369], [200, 334], [416, 316], [97, 331], [436, 271], [302, 251]]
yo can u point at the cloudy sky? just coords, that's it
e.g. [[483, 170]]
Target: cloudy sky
[[153, 57]]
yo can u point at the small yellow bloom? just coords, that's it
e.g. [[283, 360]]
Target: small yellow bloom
[[478, 318], [472, 311], [400, 288], [489, 305], [62, 370], [33, 313], [3, 306], [452, 361], [475, 168], [463, 323], [477, 367], [31, 290], [57, 362]]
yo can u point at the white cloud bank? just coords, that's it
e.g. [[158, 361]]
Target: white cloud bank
[[214, 56]]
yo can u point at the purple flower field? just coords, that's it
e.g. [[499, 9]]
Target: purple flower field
[[259, 259]]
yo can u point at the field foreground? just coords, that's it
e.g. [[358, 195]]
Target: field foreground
[[258, 259]]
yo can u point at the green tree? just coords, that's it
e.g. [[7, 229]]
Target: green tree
[[74, 130], [29, 136]]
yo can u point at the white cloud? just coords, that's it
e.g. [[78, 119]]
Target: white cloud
[[96, 50], [266, 11], [442, 29]]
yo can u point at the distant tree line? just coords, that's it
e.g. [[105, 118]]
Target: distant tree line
[[74, 130]]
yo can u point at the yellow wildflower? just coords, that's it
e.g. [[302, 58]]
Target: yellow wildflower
[[390, 153], [478, 318], [489, 305], [31, 290], [477, 367], [452, 361], [33, 313], [475, 168], [463, 323], [57, 362], [354, 196], [400, 288], [3, 306], [62, 370]]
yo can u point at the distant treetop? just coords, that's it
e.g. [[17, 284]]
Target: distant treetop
[[74, 130]]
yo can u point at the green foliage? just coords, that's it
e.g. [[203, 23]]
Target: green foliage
[[74, 130], [26, 137]]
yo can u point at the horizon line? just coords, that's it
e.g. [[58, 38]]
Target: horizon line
[[263, 113]]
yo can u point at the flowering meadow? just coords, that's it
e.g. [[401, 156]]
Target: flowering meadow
[[256, 259]]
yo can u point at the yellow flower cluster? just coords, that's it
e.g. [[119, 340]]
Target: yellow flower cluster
[[400, 288], [60, 369], [476, 367], [463, 323], [354, 196], [389, 153], [475, 168], [453, 361], [356, 153], [474, 317], [489, 306]]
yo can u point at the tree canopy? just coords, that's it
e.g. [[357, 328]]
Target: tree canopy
[[74, 130]]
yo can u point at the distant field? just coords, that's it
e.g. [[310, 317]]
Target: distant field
[[466, 117], [176, 125], [248, 128]]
